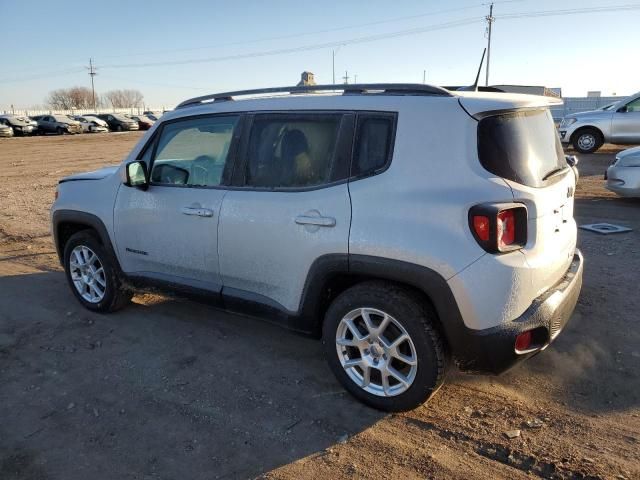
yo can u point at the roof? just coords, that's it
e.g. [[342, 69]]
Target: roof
[[346, 89], [388, 96]]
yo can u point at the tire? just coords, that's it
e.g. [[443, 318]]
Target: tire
[[424, 346], [587, 140], [60, 131], [118, 128], [114, 295]]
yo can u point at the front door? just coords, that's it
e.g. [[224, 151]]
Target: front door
[[625, 125], [291, 208], [169, 232]]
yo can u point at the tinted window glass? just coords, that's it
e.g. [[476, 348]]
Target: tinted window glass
[[373, 144], [520, 146], [193, 152], [291, 150], [634, 106]]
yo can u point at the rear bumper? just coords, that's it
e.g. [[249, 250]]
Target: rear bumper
[[493, 350]]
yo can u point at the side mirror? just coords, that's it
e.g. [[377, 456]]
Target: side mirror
[[622, 109], [572, 160], [137, 175]]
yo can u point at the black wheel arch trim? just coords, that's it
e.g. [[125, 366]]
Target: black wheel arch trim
[[61, 217]]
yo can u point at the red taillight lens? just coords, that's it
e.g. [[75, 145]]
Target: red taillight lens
[[481, 227], [499, 227], [523, 341], [506, 228]]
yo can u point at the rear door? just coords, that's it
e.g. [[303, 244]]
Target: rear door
[[523, 148], [291, 205], [169, 232], [625, 124]]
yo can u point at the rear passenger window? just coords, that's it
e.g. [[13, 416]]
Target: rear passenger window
[[291, 150], [193, 152], [374, 142]]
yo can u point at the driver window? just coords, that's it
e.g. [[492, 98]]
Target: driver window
[[634, 106], [193, 152]]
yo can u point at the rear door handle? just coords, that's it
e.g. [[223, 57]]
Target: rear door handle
[[319, 221], [200, 212]]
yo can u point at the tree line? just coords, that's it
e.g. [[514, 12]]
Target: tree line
[[82, 98]]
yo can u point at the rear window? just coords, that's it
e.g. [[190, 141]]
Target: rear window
[[521, 146]]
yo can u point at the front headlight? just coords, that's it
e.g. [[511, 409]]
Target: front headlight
[[568, 121]]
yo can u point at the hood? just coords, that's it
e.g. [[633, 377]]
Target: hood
[[592, 114], [94, 175], [629, 152], [97, 120]]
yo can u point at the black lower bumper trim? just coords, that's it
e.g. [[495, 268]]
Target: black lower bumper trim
[[493, 350]]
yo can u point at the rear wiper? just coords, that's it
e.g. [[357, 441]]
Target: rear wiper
[[555, 172]]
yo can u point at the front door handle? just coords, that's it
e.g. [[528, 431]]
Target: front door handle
[[200, 212], [319, 221]]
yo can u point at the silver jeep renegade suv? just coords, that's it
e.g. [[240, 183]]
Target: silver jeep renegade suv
[[409, 226]]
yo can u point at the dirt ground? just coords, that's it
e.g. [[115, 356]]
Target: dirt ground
[[172, 389]]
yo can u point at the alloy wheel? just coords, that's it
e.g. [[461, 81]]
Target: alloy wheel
[[376, 352], [87, 274]]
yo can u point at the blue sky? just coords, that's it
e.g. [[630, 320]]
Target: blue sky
[[47, 44]]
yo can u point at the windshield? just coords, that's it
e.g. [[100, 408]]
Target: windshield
[[521, 146]]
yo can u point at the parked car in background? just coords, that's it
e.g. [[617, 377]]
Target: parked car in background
[[118, 122], [155, 116], [144, 122], [20, 124], [92, 124], [59, 124], [5, 129], [618, 123], [623, 176]]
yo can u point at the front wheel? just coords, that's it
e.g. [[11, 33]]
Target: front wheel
[[60, 131], [382, 344], [91, 274], [118, 128], [587, 140]]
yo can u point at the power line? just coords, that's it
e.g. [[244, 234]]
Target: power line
[[351, 41], [314, 32], [317, 46], [42, 75], [572, 11]]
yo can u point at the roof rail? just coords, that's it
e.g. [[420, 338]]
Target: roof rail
[[348, 89]]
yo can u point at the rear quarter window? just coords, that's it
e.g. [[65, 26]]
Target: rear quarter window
[[521, 146]]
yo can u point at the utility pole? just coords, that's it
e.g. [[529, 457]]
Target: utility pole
[[333, 65], [490, 19], [92, 73], [424, 76], [346, 77], [355, 79]]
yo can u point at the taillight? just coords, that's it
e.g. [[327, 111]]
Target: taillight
[[481, 227], [499, 227], [506, 228], [523, 341]]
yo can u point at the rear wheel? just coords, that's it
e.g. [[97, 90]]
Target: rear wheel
[[587, 140], [91, 274], [381, 343]]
